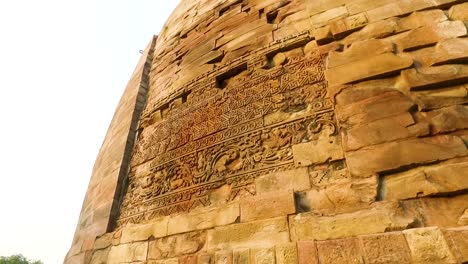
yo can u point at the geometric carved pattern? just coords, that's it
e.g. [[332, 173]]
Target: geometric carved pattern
[[227, 135]]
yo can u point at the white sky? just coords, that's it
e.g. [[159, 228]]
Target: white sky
[[63, 67]]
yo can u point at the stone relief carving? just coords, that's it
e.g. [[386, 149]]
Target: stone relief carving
[[220, 135]]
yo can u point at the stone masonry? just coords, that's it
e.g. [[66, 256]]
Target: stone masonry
[[288, 132]]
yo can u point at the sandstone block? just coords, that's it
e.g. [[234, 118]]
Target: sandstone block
[[425, 78], [359, 6], [354, 93], [425, 181], [132, 233], [324, 18], [374, 108], [164, 261], [241, 256], [286, 253], [343, 196], [457, 239], [448, 119], [249, 235], [430, 209], [377, 30], [346, 25], [428, 35], [446, 51], [459, 12], [376, 158], [385, 248], [295, 180], [307, 252], [223, 257], [308, 226], [339, 251], [262, 255], [463, 220], [205, 258], [203, 219], [267, 205], [317, 152], [438, 98], [128, 252], [367, 68], [427, 245], [100, 256], [358, 51], [323, 35], [402, 126], [191, 259], [177, 245]]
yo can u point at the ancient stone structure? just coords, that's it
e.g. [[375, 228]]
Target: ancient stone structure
[[289, 131]]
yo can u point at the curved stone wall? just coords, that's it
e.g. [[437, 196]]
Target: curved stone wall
[[295, 131]]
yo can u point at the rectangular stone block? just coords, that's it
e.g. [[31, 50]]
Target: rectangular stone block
[[358, 51], [286, 253], [223, 257], [267, 205], [339, 251], [434, 77], [448, 119], [376, 132], [128, 253], [203, 219], [249, 235], [385, 248], [157, 228], [241, 256], [426, 181], [309, 226], [428, 245], [177, 245], [262, 255], [366, 68], [307, 252], [457, 239], [388, 156], [295, 180], [323, 150]]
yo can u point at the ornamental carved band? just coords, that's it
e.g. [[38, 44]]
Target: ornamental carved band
[[229, 126]]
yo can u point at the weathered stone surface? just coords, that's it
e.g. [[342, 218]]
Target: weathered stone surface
[[464, 218], [374, 108], [128, 252], [385, 248], [339, 251], [376, 132], [422, 37], [295, 180], [286, 254], [344, 196], [359, 50], [177, 245], [367, 68], [163, 261], [446, 51], [426, 78], [307, 252], [459, 12], [324, 18], [249, 235], [132, 233], [205, 258], [427, 245], [203, 219], [260, 206], [457, 239], [448, 119], [223, 257], [262, 255], [412, 151], [317, 152], [431, 207], [438, 98], [241, 256], [100, 256], [308, 226], [425, 181]]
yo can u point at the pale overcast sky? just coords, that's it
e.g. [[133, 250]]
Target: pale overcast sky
[[63, 67]]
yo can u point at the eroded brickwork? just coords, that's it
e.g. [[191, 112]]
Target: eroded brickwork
[[299, 131]]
